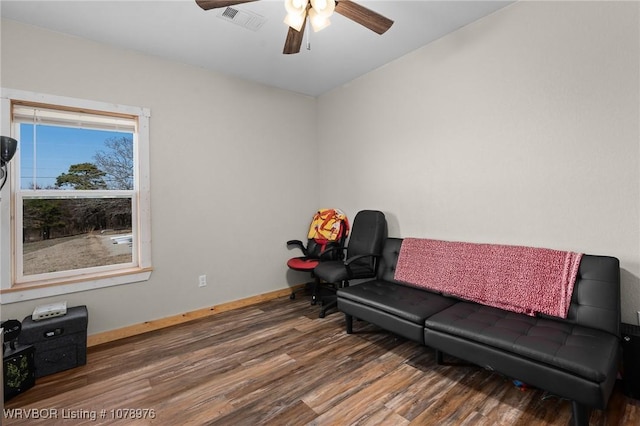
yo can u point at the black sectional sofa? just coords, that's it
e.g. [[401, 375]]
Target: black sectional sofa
[[575, 358]]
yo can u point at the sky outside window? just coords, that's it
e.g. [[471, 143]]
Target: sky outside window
[[56, 149]]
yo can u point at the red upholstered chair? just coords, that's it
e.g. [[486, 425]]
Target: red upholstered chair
[[325, 241]]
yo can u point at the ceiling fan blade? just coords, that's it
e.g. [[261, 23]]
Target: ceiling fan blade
[[294, 39], [215, 4], [363, 16]]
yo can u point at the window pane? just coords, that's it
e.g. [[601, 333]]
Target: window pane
[[54, 157], [68, 234]]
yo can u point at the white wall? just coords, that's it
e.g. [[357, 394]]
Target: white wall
[[226, 157], [521, 128]]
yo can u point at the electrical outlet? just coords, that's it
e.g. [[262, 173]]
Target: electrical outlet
[[202, 281]]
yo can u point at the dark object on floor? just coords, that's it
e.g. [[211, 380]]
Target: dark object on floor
[[631, 360], [18, 362], [19, 370], [60, 342]]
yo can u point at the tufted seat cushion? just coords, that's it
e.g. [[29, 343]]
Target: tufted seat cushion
[[583, 351], [412, 304]]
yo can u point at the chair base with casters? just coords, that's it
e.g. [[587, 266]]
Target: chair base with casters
[[329, 303], [308, 287]]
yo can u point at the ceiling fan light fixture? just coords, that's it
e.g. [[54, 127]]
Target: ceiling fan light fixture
[[296, 7], [318, 22], [295, 21], [318, 13], [323, 7]]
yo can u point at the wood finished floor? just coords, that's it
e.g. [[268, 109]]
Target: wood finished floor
[[277, 363]]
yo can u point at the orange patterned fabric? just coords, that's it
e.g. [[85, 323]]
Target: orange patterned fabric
[[328, 225]]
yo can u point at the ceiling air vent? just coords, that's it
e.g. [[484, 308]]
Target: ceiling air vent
[[246, 19]]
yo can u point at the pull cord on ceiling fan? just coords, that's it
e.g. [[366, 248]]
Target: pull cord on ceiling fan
[[318, 13]]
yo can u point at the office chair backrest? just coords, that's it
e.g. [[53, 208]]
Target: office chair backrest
[[367, 235], [315, 248]]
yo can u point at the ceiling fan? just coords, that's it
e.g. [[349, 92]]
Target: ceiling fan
[[318, 12]]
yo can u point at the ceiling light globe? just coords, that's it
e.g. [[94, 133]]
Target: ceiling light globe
[[295, 7], [318, 22], [324, 7]]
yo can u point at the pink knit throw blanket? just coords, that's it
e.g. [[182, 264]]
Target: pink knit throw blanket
[[526, 280]]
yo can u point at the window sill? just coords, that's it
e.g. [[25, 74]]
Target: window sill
[[48, 288]]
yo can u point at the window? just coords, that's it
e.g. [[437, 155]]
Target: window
[[78, 215]]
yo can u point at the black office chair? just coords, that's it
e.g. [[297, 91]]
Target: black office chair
[[363, 250], [325, 242]]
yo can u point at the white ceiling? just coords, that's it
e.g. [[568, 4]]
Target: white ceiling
[[180, 30]]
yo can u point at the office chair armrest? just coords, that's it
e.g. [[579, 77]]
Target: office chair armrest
[[358, 257], [327, 252], [299, 244], [348, 262]]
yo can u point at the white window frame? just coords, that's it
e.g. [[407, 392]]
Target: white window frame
[[11, 206]]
